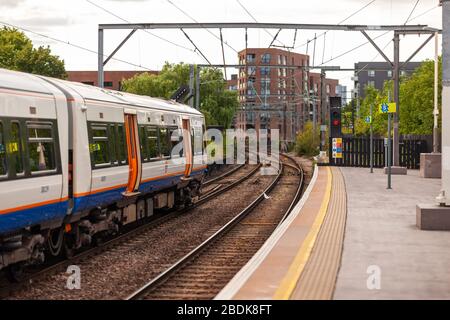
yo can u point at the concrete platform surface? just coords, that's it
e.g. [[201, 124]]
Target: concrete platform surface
[[385, 255]]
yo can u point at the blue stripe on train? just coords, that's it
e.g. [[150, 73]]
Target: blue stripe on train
[[104, 198], [110, 196], [21, 219], [24, 218]]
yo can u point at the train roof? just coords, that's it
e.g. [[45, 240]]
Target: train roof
[[28, 82], [105, 95], [23, 82]]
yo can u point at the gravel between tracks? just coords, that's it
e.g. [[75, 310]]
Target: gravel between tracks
[[208, 273], [117, 272]]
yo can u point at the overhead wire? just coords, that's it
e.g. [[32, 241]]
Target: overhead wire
[[423, 13], [195, 46], [409, 19], [254, 19], [193, 19], [352, 49], [412, 11], [69, 44], [146, 31], [340, 22]]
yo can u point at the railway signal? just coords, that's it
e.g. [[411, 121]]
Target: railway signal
[[335, 117]]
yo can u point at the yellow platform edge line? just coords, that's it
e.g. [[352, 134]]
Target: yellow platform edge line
[[291, 278]]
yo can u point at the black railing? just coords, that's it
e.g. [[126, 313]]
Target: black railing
[[356, 152]]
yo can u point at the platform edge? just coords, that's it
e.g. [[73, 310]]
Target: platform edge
[[236, 283]]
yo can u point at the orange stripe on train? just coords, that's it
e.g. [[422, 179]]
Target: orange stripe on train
[[83, 194], [33, 205]]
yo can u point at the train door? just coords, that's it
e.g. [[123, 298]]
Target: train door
[[133, 147], [187, 146], [197, 130]]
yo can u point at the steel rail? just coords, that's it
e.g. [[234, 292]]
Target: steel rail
[[226, 174], [299, 191], [215, 193], [164, 276], [117, 240]]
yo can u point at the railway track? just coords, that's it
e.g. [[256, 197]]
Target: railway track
[[235, 177], [204, 271], [223, 175], [224, 183]]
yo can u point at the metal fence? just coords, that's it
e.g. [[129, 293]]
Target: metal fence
[[356, 152]]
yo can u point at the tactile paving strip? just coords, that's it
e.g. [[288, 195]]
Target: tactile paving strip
[[318, 279]]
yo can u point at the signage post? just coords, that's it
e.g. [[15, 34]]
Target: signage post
[[389, 108], [369, 120], [337, 148]]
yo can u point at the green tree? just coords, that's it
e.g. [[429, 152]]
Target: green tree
[[373, 97], [417, 100], [308, 141], [216, 103], [17, 53], [347, 117], [416, 103]]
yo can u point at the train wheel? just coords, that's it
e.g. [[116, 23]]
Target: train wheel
[[55, 241]]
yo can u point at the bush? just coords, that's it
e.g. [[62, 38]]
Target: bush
[[308, 142]]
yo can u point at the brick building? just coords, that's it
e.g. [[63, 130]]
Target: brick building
[[113, 79], [276, 91], [232, 83], [315, 94]]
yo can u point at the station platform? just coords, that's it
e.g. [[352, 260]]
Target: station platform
[[351, 238]]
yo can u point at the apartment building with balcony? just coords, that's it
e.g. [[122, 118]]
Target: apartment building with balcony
[[276, 91]]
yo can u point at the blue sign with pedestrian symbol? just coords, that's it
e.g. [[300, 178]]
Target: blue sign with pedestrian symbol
[[388, 107]]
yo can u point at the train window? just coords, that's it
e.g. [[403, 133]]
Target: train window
[[3, 166], [192, 138], [198, 141], [176, 137], [122, 148], [204, 138], [15, 147], [142, 139], [113, 144], [41, 147], [99, 146], [164, 141], [152, 142]]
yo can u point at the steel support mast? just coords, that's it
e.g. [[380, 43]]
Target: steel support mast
[[444, 197]]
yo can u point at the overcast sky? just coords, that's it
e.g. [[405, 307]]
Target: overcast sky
[[76, 21]]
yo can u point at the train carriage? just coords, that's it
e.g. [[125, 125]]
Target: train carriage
[[78, 162]]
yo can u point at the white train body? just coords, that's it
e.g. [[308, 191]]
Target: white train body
[[77, 161]]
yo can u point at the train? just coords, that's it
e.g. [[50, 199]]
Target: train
[[78, 163]]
